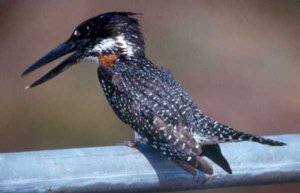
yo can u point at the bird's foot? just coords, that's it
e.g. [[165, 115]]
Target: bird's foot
[[128, 143]]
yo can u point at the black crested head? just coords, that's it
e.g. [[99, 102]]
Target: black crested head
[[112, 32]]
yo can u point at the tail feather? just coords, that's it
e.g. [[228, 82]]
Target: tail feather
[[225, 133], [214, 153], [240, 136]]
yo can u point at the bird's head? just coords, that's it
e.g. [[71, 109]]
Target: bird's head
[[113, 33]]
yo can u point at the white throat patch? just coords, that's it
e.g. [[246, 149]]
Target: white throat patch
[[112, 44]]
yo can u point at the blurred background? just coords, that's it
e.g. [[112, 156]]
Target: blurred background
[[238, 59]]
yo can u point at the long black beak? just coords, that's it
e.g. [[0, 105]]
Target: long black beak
[[57, 52]]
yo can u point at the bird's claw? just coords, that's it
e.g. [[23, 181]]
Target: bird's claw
[[128, 143]]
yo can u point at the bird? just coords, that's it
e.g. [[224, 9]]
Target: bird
[[143, 95]]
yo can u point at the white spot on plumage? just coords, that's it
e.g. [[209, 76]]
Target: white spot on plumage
[[189, 158], [162, 128]]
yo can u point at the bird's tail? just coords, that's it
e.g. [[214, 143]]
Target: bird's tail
[[230, 134], [262, 140], [214, 153]]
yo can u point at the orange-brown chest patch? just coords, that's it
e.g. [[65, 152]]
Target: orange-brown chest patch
[[107, 60]]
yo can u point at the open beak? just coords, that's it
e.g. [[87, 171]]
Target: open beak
[[62, 49]]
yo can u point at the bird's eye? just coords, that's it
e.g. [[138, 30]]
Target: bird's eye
[[84, 31], [77, 33]]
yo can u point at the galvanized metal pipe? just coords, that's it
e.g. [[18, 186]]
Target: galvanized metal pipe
[[124, 169]]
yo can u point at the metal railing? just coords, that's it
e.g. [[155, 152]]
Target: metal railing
[[124, 169]]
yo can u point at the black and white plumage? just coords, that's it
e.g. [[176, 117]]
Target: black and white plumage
[[146, 96]]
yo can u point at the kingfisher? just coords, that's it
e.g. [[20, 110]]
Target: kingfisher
[[143, 95]]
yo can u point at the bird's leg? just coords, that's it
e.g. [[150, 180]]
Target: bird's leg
[[134, 143], [139, 139]]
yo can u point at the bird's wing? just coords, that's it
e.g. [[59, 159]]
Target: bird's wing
[[176, 136], [154, 104], [155, 101], [177, 139]]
